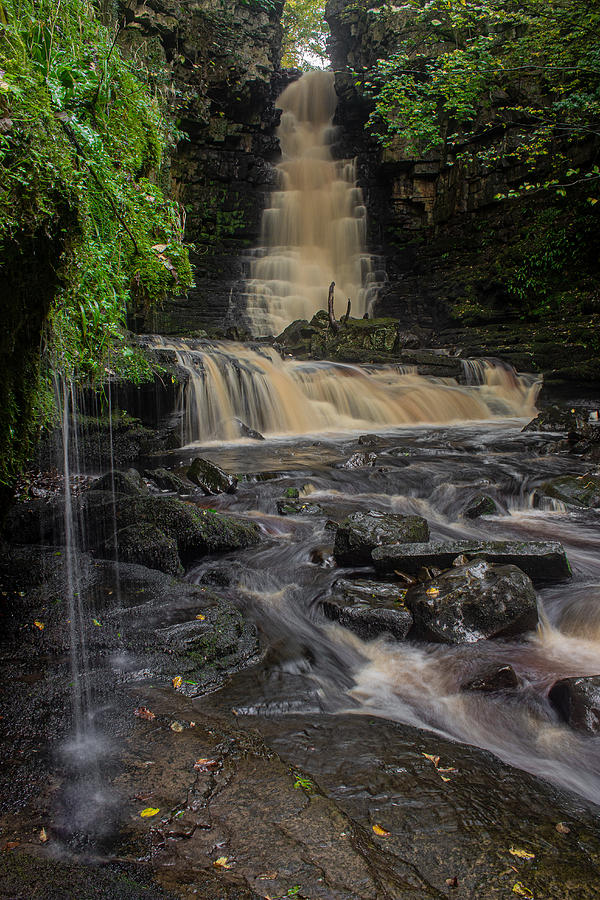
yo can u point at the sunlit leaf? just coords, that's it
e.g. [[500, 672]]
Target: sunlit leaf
[[522, 891], [39, 625], [522, 854], [142, 712], [222, 862], [149, 812], [177, 681], [380, 832]]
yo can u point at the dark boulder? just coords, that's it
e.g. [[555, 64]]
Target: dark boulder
[[145, 545], [369, 608], [480, 505], [541, 560], [360, 533], [298, 508], [245, 431], [577, 702], [574, 490], [168, 481], [211, 478], [370, 440], [473, 603], [498, 678], [121, 482]]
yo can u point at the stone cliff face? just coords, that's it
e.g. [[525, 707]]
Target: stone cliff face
[[218, 62], [452, 252]]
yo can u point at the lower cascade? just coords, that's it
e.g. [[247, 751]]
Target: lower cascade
[[229, 383]]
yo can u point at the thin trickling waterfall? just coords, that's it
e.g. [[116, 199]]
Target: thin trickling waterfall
[[231, 383], [314, 231]]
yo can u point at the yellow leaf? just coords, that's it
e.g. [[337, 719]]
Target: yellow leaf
[[177, 681], [149, 812], [380, 832], [177, 727], [39, 625], [562, 828], [434, 759], [432, 591], [444, 778], [522, 854], [43, 836], [522, 891], [200, 617], [222, 863]]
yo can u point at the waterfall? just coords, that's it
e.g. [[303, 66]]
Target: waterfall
[[229, 383], [314, 231]]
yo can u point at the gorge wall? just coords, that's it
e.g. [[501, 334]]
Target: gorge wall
[[219, 66], [456, 258]]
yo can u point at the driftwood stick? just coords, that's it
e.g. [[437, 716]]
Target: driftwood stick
[[332, 323]]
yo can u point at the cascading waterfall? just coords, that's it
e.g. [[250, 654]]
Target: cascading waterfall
[[314, 231], [232, 383]]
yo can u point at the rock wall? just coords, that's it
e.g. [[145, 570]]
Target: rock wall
[[451, 250], [218, 63]]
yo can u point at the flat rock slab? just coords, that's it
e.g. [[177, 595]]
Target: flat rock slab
[[541, 560], [471, 603], [360, 533], [369, 608]]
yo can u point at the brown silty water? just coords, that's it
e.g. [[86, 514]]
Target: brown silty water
[[314, 230]]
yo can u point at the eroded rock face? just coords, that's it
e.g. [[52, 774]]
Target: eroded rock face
[[360, 533], [574, 490], [473, 603], [221, 60], [499, 678], [577, 702], [541, 560]]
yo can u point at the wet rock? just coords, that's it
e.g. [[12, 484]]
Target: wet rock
[[359, 461], [360, 533], [196, 532], [558, 418], [31, 521], [298, 508], [291, 493], [472, 603], [211, 478], [168, 481], [574, 490], [541, 560], [499, 678], [121, 482], [146, 545], [369, 608], [245, 431], [480, 505], [370, 440], [577, 702]]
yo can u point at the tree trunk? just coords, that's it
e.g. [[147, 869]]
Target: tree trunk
[[332, 323]]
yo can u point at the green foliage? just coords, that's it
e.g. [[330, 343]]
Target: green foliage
[[305, 34], [521, 75], [83, 143]]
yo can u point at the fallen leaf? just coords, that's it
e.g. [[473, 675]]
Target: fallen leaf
[[160, 248], [522, 854], [177, 726], [444, 778], [446, 771], [434, 759], [96, 622], [177, 681], [39, 625], [202, 764], [142, 712], [221, 862], [267, 876], [10, 845], [149, 812], [200, 617], [381, 832], [452, 882], [432, 591], [522, 891], [562, 828], [43, 836]]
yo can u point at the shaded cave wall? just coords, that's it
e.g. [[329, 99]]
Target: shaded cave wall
[[451, 250]]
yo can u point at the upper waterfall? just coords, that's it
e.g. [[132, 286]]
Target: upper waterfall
[[314, 231]]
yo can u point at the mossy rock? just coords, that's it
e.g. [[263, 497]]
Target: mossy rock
[[146, 545], [583, 490], [360, 533]]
